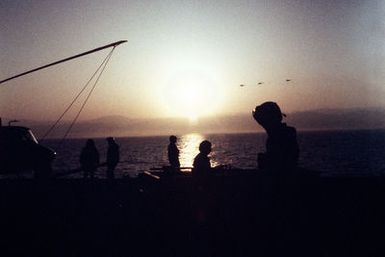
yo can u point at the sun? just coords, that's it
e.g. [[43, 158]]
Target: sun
[[192, 95]]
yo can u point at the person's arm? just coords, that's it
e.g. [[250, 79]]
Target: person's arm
[[261, 160], [97, 157], [82, 157], [292, 148]]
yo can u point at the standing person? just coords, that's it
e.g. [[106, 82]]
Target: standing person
[[202, 165], [89, 159], [281, 146], [113, 156], [173, 154]]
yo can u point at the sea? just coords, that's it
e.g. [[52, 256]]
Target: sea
[[331, 153]]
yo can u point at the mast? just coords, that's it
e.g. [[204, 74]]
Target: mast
[[66, 59]]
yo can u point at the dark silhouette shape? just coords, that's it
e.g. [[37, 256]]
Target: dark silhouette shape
[[288, 80], [260, 83], [113, 157], [281, 146], [201, 166], [20, 151], [89, 159], [173, 154], [241, 85]]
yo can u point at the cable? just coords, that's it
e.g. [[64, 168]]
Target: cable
[[76, 97], [88, 96]]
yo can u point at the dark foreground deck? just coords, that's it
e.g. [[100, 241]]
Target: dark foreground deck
[[245, 215]]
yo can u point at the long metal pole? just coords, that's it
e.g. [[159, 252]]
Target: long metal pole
[[66, 59]]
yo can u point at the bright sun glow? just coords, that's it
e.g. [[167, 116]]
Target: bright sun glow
[[192, 95]]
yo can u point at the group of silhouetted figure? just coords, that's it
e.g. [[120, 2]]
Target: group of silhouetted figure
[[90, 159], [281, 153]]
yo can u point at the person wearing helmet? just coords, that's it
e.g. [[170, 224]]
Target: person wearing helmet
[[202, 166], [281, 146]]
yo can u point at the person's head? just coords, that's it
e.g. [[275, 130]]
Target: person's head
[[268, 115], [90, 143], [205, 147], [172, 139], [110, 140]]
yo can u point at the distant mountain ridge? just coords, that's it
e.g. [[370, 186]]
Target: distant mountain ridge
[[333, 119], [119, 126]]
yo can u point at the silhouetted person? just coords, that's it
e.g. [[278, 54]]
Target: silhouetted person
[[113, 156], [202, 166], [173, 154], [89, 159], [281, 146]]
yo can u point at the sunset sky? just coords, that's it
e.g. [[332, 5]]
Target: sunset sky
[[188, 58]]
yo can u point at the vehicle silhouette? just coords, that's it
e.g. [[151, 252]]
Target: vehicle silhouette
[[20, 151]]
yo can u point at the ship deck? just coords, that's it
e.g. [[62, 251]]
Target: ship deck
[[248, 215]]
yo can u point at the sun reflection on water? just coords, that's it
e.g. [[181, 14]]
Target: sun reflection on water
[[189, 148]]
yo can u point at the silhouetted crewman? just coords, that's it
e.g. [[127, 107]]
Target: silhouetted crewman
[[113, 157], [202, 166], [173, 154], [281, 146], [89, 159]]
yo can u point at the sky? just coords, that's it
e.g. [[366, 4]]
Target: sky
[[188, 58]]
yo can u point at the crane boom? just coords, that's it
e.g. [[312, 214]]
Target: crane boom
[[66, 59]]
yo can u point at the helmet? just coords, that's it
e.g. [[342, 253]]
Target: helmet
[[110, 139], [172, 139], [205, 146], [268, 112]]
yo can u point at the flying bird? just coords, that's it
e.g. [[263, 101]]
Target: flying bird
[[259, 83], [288, 80]]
